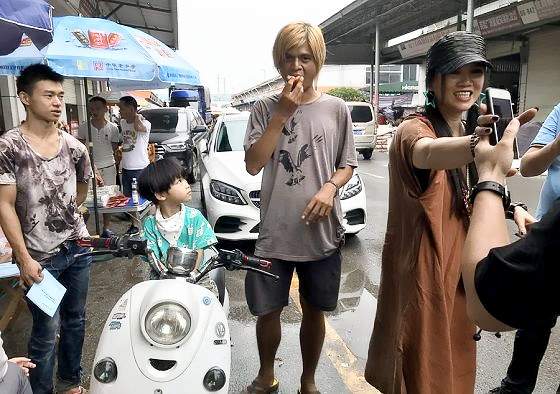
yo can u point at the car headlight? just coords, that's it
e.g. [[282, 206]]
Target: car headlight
[[105, 370], [167, 323], [224, 192], [214, 379], [353, 187]]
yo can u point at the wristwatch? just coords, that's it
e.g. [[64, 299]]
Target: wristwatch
[[494, 187], [510, 211]]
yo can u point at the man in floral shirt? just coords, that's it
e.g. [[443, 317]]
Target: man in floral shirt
[[44, 175]]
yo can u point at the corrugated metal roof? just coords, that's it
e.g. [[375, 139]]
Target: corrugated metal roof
[[349, 33], [155, 17]]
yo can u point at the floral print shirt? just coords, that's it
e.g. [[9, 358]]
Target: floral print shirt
[[196, 234], [46, 190]]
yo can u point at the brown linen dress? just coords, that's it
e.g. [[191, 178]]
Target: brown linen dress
[[422, 338]]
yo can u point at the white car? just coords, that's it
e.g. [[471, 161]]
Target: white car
[[231, 196], [363, 127]]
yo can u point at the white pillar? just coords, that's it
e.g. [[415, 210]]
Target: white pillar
[[80, 99], [377, 67], [13, 110], [470, 15], [421, 83]]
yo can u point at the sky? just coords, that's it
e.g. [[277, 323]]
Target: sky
[[230, 41]]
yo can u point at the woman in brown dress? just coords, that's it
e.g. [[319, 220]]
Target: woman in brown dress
[[422, 340]]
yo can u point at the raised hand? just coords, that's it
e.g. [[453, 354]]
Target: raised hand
[[290, 98]]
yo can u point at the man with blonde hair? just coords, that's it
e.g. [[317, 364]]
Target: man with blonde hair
[[303, 140]]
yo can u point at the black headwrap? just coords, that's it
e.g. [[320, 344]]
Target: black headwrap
[[453, 51]]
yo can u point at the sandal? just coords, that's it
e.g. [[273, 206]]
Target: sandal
[[310, 392], [256, 388]]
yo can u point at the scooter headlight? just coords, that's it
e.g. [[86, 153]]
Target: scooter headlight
[[167, 323], [214, 379], [105, 370]]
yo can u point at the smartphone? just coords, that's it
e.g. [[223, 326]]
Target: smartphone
[[499, 103]]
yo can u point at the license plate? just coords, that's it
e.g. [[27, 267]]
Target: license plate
[[358, 131]]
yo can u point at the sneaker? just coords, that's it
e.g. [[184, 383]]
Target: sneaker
[[132, 230], [107, 233]]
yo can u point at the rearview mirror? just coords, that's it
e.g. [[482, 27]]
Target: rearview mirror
[[200, 129]]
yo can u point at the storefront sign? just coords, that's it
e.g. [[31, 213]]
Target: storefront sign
[[528, 12], [547, 9], [499, 22], [419, 46]]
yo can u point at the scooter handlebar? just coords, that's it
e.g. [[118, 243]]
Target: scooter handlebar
[[117, 245], [130, 245], [255, 262]]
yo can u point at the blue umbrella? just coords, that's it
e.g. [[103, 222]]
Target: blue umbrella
[[103, 49], [30, 17]]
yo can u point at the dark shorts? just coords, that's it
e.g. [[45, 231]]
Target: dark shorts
[[319, 283], [127, 176]]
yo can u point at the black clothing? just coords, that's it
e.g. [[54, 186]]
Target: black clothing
[[528, 351], [517, 283]]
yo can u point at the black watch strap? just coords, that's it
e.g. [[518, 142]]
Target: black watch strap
[[492, 186], [510, 211]]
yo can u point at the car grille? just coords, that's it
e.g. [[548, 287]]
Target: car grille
[[355, 216], [160, 151], [228, 225], [255, 197]]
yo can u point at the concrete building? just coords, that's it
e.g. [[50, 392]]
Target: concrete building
[[334, 76]]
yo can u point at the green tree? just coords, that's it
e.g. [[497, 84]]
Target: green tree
[[348, 94]]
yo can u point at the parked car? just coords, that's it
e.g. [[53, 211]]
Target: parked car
[[176, 132], [231, 196], [363, 127]]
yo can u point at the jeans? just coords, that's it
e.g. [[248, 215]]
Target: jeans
[[528, 351], [127, 176], [69, 320]]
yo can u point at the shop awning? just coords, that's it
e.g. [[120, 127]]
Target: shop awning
[[349, 33]]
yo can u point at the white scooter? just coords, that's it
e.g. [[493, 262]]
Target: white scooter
[[168, 336]]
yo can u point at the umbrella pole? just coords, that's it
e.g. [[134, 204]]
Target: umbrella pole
[[90, 148]]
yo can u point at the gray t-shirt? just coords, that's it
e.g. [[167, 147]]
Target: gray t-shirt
[[315, 142], [46, 190], [3, 360]]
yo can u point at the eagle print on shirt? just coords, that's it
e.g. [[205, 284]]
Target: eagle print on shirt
[[293, 168], [289, 129]]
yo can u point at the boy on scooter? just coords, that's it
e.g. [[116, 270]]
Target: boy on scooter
[[174, 223]]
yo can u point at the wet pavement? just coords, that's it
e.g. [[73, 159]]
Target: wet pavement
[[348, 327]]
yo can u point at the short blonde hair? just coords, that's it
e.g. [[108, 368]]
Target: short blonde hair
[[296, 35]]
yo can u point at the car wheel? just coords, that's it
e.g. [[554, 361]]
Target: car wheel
[[194, 175], [367, 154]]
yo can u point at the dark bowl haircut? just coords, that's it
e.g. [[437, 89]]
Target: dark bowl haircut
[[130, 101], [34, 73], [158, 177], [98, 99]]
